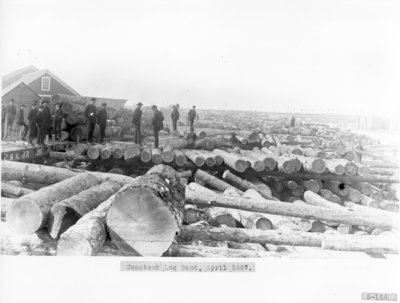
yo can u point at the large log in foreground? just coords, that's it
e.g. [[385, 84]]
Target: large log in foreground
[[146, 214], [29, 213], [369, 244], [67, 212], [195, 194], [88, 234]]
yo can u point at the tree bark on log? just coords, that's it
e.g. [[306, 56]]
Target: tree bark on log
[[194, 251], [29, 213], [65, 213], [180, 143], [334, 242], [233, 161], [196, 195], [131, 151], [16, 191], [41, 174], [265, 191], [316, 200], [365, 243], [214, 181], [194, 157], [329, 177], [146, 214], [88, 234]]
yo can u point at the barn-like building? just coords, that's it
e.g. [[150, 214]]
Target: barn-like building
[[29, 84]]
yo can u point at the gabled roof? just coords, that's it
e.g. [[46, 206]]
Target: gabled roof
[[29, 77], [17, 74], [24, 85]]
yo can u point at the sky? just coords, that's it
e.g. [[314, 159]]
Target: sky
[[338, 56]]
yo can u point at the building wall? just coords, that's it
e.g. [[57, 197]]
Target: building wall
[[55, 87], [22, 95]]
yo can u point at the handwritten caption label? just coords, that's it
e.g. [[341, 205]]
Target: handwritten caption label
[[143, 266]]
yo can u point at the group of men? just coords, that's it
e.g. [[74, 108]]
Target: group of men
[[157, 121], [43, 123], [39, 124]]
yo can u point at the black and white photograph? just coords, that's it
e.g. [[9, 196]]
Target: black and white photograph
[[255, 135]]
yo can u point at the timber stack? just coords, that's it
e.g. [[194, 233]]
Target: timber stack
[[247, 193]]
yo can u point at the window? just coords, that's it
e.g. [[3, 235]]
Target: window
[[45, 83]]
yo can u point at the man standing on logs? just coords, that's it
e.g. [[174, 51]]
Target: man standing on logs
[[102, 121], [32, 122], [44, 122], [11, 112], [175, 117], [91, 117], [137, 121], [58, 116], [293, 121], [192, 117], [157, 122], [21, 121]]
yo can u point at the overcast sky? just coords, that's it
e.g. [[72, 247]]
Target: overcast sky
[[304, 55]]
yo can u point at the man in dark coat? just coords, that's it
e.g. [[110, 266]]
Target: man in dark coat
[[137, 121], [32, 122], [39, 118], [21, 121], [192, 117], [175, 117], [44, 122], [57, 120], [102, 121], [91, 117], [11, 112], [293, 121], [157, 122]]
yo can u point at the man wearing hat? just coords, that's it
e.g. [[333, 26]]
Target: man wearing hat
[[157, 122], [57, 120], [11, 112], [21, 121], [44, 123], [90, 114], [32, 122], [137, 121], [192, 116], [102, 121], [175, 116]]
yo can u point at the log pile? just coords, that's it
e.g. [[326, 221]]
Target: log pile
[[243, 194]]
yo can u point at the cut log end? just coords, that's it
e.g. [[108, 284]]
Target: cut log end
[[148, 215], [24, 216]]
